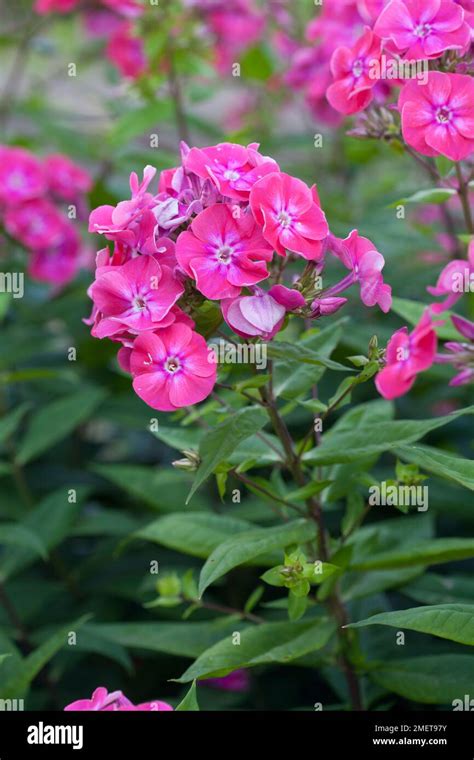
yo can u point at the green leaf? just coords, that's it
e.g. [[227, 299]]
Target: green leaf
[[139, 121], [310, 489], [448, 621], [10, 422], [163, 490], [341, 447], [260, 645], [55, 421], [197, 534], [302, 355], [31, 665], [219, 443], [440, 463], [18, 535], [50, 522], [297, 606], [251, 544], [190, 703], [422, 553], [180, 639], [412, 312], [436, 679], [291, 380], [440, 589], [434, 195]]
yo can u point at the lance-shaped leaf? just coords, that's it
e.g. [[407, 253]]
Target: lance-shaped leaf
[[423, 553], [189, 703], [260, 645], [440, 463], [218, 444], [436, 679], [448, 621]]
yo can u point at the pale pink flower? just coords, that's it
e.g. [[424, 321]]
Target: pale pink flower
[[290, 215], [258, 315], [223, 252], [172, 368]]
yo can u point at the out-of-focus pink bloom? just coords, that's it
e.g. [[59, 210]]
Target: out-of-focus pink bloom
[[37, 224], [461, 353], [58, 264], [353, 72], [127, 8], [464, 326], [456, 279], [126, 51], [290, 215], [406, 356], [360, 256], [66, 179], [21, 176], [172, 368], [258, 315], [236, 27], [104, 701], [423, 29], [134, 296], [237, 681], [290, 298], [232, 168], [55, 6], [438, 117], [223, 252]]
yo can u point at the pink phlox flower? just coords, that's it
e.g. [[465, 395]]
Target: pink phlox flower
[[453, 282], [223, 252], [134, 296], [22, 177], [407, 355], [103, 701], [232, 168], [172, 368], [423, 29], [290, 215], [66, 179], [126, 51], [353, 72], [438, 117], [290, 298], [37, 224]]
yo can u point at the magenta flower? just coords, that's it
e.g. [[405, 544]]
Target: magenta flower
[[461, 353], [438, 117], [22, 176], [37, 224], [232, 168], [66, 179], [59, 264], [423, 29], [290, 298], [290, 215], [126, 52], [55, 6], [172, 368], [406, 356], [238, 681], [353, 74], [103, 701], [360, 256], [134, 296], [223, 252], [258, 315]]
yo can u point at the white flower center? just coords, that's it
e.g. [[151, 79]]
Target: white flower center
[[284, 219], [224, 254], [231, 174], [358, 68], [172, 364], [422, 30]]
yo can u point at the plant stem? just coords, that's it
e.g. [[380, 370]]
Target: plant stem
[[463, 192], [334, 603], [231, 611], [177, 95]]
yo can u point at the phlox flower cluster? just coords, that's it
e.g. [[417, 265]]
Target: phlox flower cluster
[[221, 227], [35, 196], [104, 701]]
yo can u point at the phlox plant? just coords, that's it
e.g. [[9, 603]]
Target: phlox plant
[[236, 431]]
